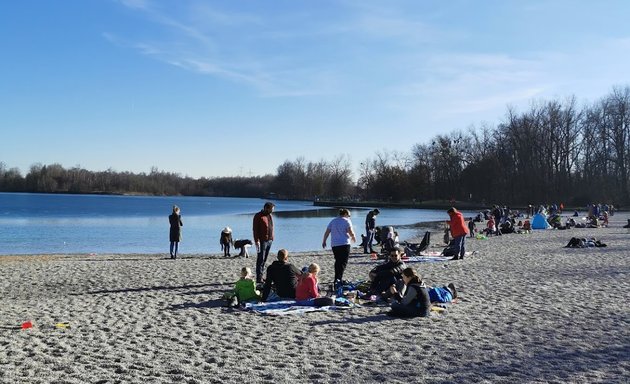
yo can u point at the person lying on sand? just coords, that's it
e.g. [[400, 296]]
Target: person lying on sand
[[443, 294], [282, 278]]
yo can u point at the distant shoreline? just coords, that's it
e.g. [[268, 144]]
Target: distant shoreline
[[384, 204]]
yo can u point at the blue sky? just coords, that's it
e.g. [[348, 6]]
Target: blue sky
[[228, 88]]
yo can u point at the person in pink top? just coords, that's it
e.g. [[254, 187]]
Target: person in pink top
[[307, 291], [307, 286]]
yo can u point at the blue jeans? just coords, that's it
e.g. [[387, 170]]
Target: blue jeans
[[263, 252], [369, 238], [458, 243], [174, 248]]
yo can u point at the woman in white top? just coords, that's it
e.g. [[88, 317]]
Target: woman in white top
[[341, 237]]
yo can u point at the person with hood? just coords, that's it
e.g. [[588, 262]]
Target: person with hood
[[282, 279], [226, 241], [263, 237], [459, 230]]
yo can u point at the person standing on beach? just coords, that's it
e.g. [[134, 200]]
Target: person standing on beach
[[370, 225], [175, 234], [342, 236], [459, 230], [263, 237], [225, 239]]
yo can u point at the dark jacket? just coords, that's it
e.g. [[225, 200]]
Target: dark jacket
[[262, 227], [417, 299], [386, 275], [175, 233], [370, 221], [226, 238], [283, 277], [389, 270]]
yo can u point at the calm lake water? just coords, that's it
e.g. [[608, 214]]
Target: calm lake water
[[45, 224]]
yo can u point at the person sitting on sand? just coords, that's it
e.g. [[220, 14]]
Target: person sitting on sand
[[490, 227], [383, 276], [592, 222], [390, 241], [413, 300], [245, 289], [282, 278], [307, 290]]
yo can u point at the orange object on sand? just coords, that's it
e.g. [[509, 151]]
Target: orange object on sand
[[27, 324]]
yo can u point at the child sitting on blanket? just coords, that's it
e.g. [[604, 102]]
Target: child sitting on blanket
[[414, 299], [307, 291], [245, 289]]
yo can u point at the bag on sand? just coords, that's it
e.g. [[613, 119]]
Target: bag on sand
[[450, 250]]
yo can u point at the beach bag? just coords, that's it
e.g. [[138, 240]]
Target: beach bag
[[450, 250]]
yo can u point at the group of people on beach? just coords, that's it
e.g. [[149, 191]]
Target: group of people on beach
[[391, 281]]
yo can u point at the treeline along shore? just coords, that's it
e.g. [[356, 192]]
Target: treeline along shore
[[556, 151]]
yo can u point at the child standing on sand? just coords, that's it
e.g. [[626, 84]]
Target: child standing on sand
[[245, 289], [471, 227]]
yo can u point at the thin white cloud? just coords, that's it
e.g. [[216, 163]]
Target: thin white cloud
[[136, 4], [202, 47]]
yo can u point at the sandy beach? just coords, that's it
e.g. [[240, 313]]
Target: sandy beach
[[530, 311]]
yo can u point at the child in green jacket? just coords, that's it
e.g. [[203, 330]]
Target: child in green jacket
[[245, 289]]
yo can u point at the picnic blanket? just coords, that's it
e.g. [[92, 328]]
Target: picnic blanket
[[290, 307], [424, 257], [431, 256]]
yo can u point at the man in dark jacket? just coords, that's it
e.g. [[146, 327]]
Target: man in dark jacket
[[383, 276], [370, 226], [282, 277], [263, 237]]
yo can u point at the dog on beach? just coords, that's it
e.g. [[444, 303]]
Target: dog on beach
[[243, 245]]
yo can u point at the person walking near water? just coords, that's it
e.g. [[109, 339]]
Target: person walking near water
[[175, 234], [458, 232], [263, 237], [370, 225], [342, 236]]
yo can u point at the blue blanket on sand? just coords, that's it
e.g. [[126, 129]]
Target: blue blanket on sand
[[424, 257], [291, 307]]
